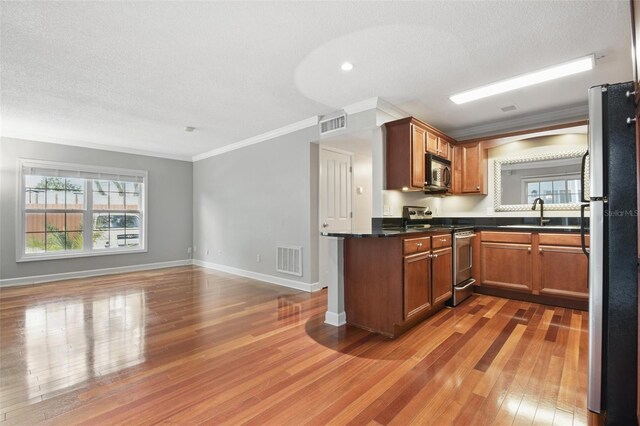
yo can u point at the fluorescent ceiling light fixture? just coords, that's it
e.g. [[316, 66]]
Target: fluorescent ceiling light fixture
[[347, 66], [551, 73]]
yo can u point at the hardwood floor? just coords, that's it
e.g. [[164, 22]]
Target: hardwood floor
[[188, 345]]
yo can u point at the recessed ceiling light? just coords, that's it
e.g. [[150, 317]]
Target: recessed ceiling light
[[551, 73], [347, 66], [189, 129]]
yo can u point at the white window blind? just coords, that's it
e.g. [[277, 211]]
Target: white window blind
[[74, 171]]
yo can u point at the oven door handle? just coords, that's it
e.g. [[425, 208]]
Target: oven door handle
[[463, 237], [466, 286]]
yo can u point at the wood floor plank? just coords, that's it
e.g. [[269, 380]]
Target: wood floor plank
[[188, 345]]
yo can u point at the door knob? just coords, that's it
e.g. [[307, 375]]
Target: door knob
[[325, 224]]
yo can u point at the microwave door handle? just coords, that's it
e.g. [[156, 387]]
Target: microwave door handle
[[447, 176]]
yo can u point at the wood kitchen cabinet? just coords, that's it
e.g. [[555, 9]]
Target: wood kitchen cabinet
[[506, 260], [392, 283], [442, 274], [417, 284], [470, 169], [541, 267], [563, 267], [438, 145], [407, 141]]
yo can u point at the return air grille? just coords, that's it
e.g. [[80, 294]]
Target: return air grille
[[289, 260], [333, 124]]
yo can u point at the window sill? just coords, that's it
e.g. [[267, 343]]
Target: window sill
[[37, 257]]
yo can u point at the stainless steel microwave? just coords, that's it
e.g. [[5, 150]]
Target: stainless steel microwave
[[437, 176]]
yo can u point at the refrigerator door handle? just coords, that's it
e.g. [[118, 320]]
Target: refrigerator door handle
[[583, 230], [583, 178], [596, 306], [596, 137]]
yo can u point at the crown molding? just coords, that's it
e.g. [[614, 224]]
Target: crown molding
[[361, 106], [82, 144], [390, 109], [572, 113], [303, 124]]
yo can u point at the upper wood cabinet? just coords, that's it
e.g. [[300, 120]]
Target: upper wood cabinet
[[437, 145], [470, 169], [407, 142], [417, 156]]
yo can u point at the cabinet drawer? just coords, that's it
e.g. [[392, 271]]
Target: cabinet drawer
[[417, 245], [438, 241], [506, 237], [572, 240]]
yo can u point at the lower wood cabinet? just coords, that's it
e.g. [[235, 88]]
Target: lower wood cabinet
[[563, 272], [417, 284], [392, 283], [543, 267], [442, 274], [506, 265]]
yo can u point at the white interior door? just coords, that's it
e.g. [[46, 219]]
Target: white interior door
[[335, 202], [335, 191]]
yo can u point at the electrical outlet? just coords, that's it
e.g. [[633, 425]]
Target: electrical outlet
[[257, 258], [207, 251], [219, 252], [188, 250]]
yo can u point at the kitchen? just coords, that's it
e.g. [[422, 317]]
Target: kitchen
[[399, 271]]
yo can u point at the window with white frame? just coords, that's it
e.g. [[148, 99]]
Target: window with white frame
[[552, 189], [68, 210]]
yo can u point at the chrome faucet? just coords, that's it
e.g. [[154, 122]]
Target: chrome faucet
[[542, 219]]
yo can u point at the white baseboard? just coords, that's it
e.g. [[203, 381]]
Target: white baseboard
[[260, 277], [335, 319], [90, 273]]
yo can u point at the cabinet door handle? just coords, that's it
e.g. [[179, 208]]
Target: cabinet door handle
[[434, 256], [478, 188], [528, 249], [419, 244], [540, 250], [444, 240]]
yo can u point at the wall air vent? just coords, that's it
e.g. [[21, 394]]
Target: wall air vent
[[333, 124], [289, 260]]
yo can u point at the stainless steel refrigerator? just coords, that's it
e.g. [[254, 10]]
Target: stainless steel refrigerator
[[613, 283]]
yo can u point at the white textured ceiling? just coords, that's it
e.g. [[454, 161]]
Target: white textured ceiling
[[131, 75]]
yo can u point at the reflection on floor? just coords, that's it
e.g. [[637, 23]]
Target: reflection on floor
[[188, 345]]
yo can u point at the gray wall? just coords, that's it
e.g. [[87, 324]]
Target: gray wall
[[169, 226], [251, 200]]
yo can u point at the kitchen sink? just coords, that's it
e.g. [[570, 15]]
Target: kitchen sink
[[567, 227]]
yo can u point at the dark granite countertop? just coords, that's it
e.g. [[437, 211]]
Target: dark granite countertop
[[531, 228], [394, 227], [386, 232]]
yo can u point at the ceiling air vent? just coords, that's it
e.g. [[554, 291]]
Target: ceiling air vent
[[509, 108], [332, 124]]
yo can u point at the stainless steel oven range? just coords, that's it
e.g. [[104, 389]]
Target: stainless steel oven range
[[462, 265]]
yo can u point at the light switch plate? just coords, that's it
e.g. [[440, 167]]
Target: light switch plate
[[386, 210]]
